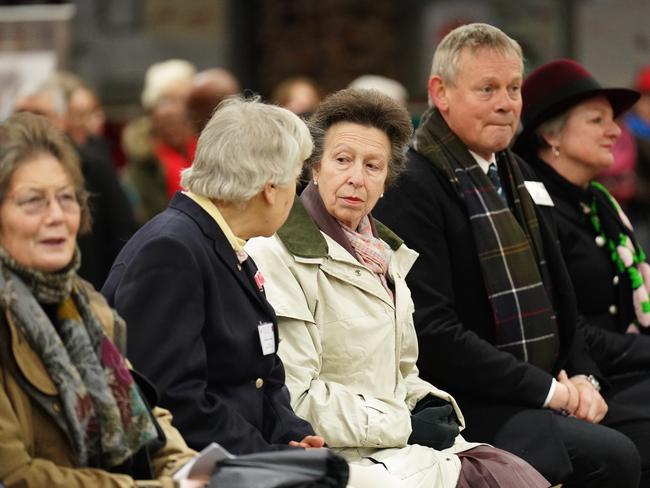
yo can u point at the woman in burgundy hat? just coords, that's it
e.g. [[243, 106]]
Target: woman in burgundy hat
[[569, 130]]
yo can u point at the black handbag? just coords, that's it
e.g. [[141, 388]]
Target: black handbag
[[295, 468]]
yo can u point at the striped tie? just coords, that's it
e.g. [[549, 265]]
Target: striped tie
[[493, 174]]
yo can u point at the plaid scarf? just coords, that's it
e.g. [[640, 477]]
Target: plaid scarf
[[107, 418], [371, 251], [509, 244]]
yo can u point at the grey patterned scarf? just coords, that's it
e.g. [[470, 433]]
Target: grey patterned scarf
[[107, 418]]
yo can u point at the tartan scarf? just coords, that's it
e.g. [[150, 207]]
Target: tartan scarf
[[363, 244], [371, 251], [508, 241], [108, 420]]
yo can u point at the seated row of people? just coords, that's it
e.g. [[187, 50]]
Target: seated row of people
[[358, 327]]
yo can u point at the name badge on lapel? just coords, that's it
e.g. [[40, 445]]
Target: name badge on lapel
[[267, 338], [539, 194]]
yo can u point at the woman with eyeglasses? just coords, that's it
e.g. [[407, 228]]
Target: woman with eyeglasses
[[71, 412]]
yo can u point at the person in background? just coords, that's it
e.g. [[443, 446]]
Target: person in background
[[299, 94], [209, 88], [568, 136], [495, 309], [637, 124], [387, 86], [112, 217], [336, 278], [72, 414], [160, 144]]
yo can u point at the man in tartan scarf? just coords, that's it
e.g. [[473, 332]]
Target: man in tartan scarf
[[494, 306]]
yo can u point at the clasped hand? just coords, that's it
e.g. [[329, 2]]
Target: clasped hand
[[577, 397]]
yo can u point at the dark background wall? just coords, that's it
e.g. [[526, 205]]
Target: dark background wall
[[110, 43]]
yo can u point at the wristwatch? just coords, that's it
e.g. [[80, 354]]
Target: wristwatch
[[591, 379]]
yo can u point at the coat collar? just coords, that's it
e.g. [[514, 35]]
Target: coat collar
[[302, 237], [244, 274]]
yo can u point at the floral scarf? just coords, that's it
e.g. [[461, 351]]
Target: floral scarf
[[107, 418]]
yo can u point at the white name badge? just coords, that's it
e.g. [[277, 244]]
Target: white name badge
[[539, 193], [267, 338]]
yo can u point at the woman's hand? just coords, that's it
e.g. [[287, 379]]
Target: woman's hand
[[310, 441]]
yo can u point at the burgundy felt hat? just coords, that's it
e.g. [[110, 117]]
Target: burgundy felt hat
[[559, 85]]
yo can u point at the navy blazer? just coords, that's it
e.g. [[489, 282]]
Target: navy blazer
[[193, 313]]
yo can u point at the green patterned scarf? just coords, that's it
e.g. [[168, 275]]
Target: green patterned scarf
[[508, 241], [107, 418]]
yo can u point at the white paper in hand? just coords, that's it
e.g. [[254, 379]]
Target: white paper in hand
[[202, 466]]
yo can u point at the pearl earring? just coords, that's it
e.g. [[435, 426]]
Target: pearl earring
[[556, 151], [315, 182]]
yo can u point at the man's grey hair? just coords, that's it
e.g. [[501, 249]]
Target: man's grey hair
[[473, 37], [245, 145]]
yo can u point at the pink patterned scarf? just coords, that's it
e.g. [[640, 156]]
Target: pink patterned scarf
[[370, 250]]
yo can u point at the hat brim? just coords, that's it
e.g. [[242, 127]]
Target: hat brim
[[621, 99]]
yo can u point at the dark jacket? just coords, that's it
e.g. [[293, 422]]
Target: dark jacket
[[603, 294], [112, 217], [452, 311], [193, 313]]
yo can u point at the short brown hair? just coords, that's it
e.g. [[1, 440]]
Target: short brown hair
[[25, 135], [369, 108]]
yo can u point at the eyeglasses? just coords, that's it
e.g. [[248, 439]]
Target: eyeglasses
[[37, 203]]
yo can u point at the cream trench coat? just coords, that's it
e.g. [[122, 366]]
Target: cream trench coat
[[349, 351]]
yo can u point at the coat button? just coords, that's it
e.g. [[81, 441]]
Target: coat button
[[600, 241], [613, 309], [259, 383], [56, 407], [615, 280]]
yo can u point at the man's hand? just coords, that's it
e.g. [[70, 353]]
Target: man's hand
[[311, 441], [592, 407], [566, 397]]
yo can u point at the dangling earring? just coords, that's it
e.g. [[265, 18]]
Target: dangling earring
[[556, 151], [315, 182], [381, 196]]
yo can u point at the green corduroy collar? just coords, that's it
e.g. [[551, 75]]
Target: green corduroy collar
[[302, 237]]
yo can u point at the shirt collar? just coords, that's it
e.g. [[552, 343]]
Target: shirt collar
[[482, 162], [212, 210]]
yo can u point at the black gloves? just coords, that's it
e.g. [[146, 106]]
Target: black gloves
[[434, 424]]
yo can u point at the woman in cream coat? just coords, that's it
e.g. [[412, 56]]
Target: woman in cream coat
[[336, 279]]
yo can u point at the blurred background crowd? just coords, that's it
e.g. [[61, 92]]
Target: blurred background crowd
[[133, 82]]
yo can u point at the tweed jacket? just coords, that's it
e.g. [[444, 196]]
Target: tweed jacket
[[348, 349], [34, 446], [193, 312]]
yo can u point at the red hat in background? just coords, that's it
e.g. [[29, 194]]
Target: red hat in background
[[643, 80]]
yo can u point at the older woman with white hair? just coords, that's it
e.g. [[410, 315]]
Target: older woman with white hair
[[199, 323]]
